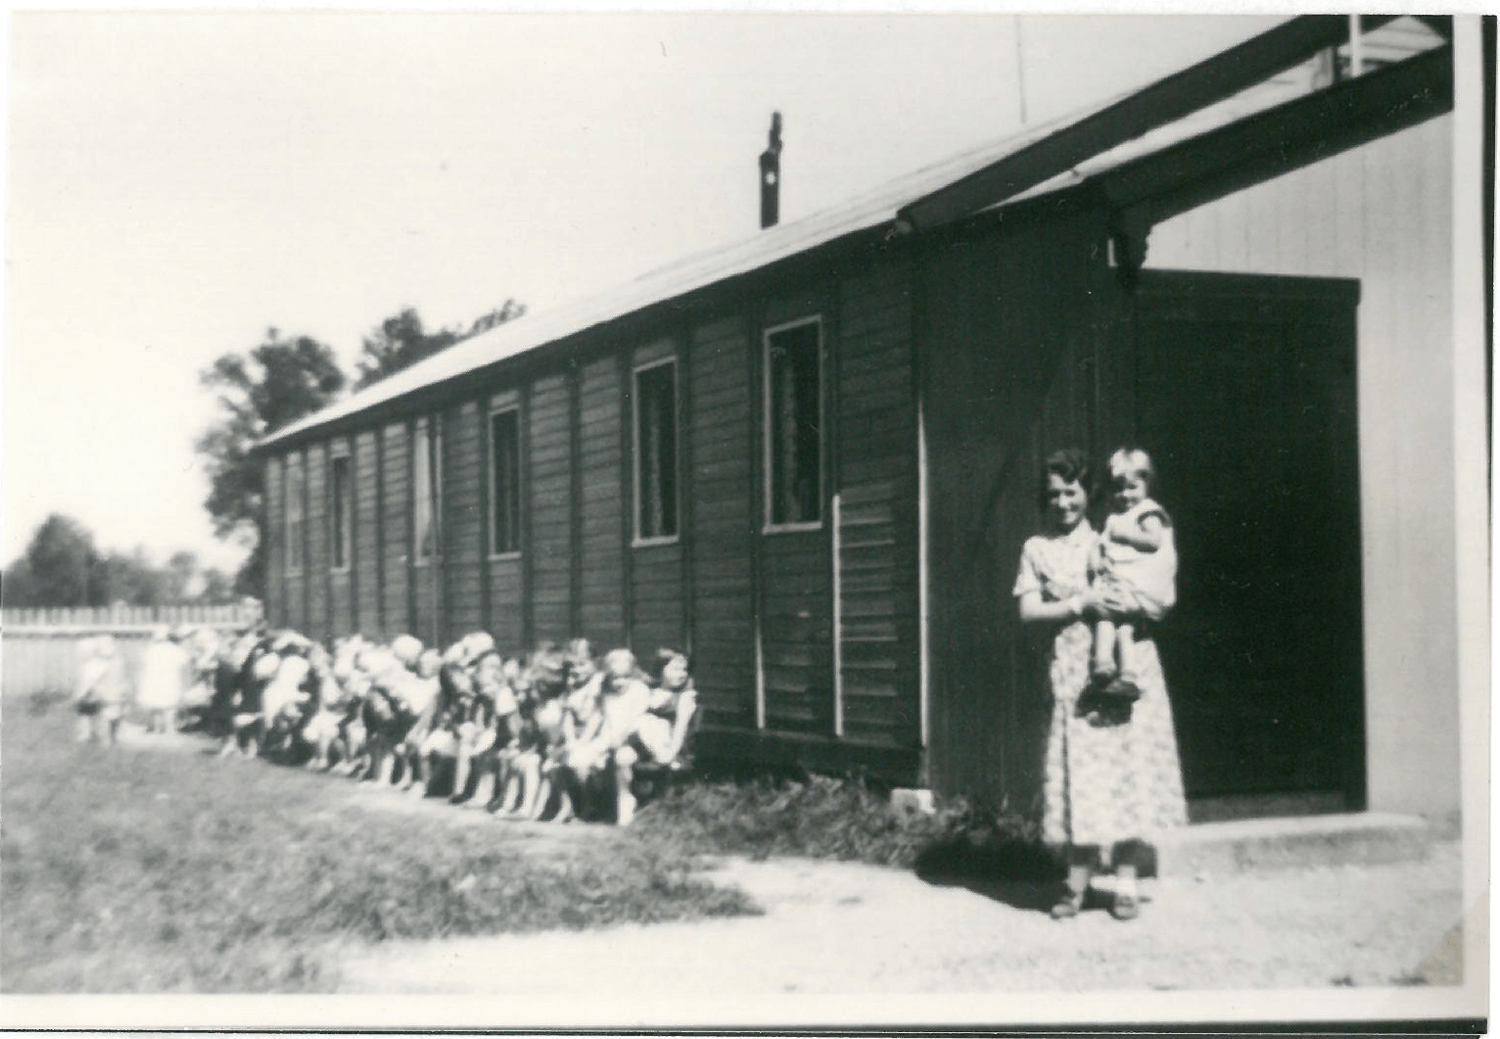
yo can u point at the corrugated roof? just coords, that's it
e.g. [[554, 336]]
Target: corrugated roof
[[866, 210]]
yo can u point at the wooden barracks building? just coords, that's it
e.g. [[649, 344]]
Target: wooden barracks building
[[811, 459]]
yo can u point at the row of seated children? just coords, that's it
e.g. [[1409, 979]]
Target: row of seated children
[[555, 735]]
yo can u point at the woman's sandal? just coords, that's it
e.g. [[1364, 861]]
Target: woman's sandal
[[1068, 905]]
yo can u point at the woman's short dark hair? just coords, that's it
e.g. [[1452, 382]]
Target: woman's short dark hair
[[1071, 466]]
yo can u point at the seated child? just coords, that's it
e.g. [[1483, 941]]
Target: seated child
[[660, 732], [624, 698], [1133, 571]]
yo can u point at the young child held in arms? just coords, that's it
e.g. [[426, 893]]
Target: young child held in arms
[[1133, 574]]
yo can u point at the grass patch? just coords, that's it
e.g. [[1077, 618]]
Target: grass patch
[[846, 819], [134, 870]]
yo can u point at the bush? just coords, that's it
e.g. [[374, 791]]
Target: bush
[[847, 819]]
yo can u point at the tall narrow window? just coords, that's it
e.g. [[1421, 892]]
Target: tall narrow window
[[427, 491], [505, 482], [794, 425], [656, 451], [340, 510], [296, 492]]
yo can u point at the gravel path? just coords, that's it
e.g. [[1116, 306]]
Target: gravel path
[[842, 928]]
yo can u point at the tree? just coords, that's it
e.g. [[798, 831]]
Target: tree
[[260, 391], [60, 567], [401, 341], [132, 578]]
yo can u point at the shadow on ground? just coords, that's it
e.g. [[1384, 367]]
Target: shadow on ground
[[1019, 874]]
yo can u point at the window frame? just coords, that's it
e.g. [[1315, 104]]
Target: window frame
[[768, 526], [294, 514], [493, 553], [427, 437], [337, 531], [637, 540]]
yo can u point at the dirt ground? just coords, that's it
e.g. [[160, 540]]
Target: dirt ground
[[841, 928], [846, 928]]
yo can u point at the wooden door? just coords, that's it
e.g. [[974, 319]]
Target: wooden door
[[1245, 396]]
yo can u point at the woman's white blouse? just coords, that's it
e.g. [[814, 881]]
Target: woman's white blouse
[[1056, 564]]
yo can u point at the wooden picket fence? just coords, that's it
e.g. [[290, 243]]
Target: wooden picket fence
[[128, 616], [38, 647]]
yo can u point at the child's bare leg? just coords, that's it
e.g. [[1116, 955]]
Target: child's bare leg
[[463, 766], [1104, 647], [625, 759], [1125, 648]]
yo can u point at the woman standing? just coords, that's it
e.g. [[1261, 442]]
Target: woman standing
[[1107, 787]]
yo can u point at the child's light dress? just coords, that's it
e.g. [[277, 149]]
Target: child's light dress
[[1132, 582]]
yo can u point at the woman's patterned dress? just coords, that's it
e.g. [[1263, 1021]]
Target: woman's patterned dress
[[1101, 785]]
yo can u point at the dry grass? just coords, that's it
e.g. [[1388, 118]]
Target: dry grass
[[137, 871]]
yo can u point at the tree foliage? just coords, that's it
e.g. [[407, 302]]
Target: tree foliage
[[260, 391], [401, 341], [60, 567], [63, 567]]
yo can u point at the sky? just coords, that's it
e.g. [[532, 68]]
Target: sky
[[179, 182]]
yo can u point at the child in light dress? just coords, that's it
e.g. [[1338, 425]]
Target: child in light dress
[[165, 670], [1133, 572]]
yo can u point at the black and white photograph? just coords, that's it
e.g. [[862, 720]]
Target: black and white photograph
[[746, 518]]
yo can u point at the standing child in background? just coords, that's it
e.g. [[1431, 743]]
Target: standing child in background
[[100, 695], [165, 668], [1133, 574]]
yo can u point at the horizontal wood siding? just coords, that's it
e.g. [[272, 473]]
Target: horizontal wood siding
[[396, 512], [341, 582], [1006, 338], [551, 508], [721, 484], [315, 625], [274, 532], [601, 609], [797, 631], [462, 532], [366, 535], [506, 621], [656, 599], [796, 575], [878, 607]]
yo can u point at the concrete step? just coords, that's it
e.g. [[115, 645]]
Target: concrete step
[[1293, 842]]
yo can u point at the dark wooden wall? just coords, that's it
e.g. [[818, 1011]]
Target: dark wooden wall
[[724, 587], [508, 603], [395, 498], [340, 580], [274, 523], [877, 460], [366, 568], [1007, 340], [722, 598], [657, 611], [463, 547], [601, 502], [551, 547]]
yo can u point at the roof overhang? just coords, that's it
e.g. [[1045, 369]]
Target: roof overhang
[[1266, 145], [1163, 102]]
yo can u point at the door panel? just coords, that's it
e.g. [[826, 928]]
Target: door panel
[[1245, 394]]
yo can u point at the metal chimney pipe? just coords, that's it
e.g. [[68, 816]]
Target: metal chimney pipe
[[770, 175]]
